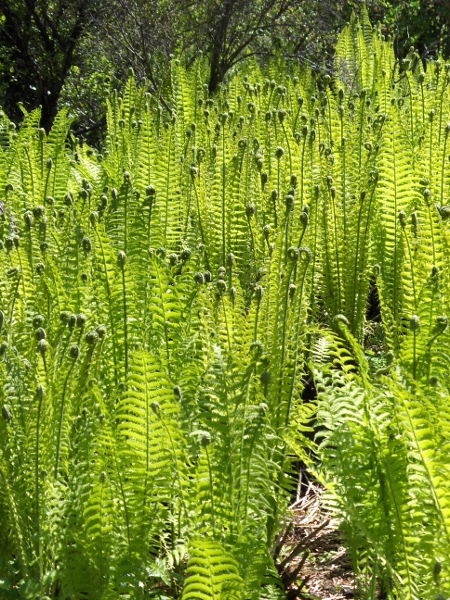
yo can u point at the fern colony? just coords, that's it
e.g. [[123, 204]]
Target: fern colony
[[162, 303]]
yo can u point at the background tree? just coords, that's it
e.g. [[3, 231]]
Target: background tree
[[72, 52], [39, 42], [425, 25]]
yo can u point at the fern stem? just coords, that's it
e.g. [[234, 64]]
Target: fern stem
[[30, 168], [398, 514], [410, 108], [414, 367], [226, 324], [255, 328], [424, 461], [202, 234], [177, 469], [336, 252], [125, 314], [22, 558], [361, 131], [111, 312], [21, 277], [247, 382], [297, 334], [423, 101], [249, 464], [224, 205], [213, 511], [413, 280], [169, 158], [358, 274], [40, 394], [61, 417], [30, 250], [433, 247], [444, 156], [344, 178], [283, 348], [125, 506], [288, 146]]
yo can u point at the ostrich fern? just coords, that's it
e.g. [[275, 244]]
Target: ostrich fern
[[161, 302]]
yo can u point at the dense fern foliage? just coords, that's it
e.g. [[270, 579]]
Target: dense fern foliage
[[162, 303]]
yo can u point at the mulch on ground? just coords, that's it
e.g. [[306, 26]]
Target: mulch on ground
[[321, 567]]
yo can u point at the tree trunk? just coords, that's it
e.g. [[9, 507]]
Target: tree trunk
[[216, 72]]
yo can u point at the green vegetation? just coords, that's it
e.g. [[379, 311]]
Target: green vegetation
[[163, 303]]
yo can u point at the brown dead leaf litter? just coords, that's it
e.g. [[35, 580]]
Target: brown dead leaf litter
[[312, 559]]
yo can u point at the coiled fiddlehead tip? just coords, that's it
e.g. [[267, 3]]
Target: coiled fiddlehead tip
[[63, 317], [74, 352], [289, 202], [38, 321], [221, 286], [86, 244], [6, 413], [257, 348], [206, 439], [199, 278], [414, 323], [265, 378], [340, 320], [91, 337], [305, 254], [293, 253], [28, 218], [122, 259], [81, 320], [444, 211], [40, 334], [38, 212], [12, 272], [281, 115], [93, 218], [186, 254], [43, 347], [402, 218], [441, 323], [304, 219], [279, 152], [101, 331]]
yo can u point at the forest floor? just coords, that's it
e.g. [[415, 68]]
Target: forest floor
[[323, 564]]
